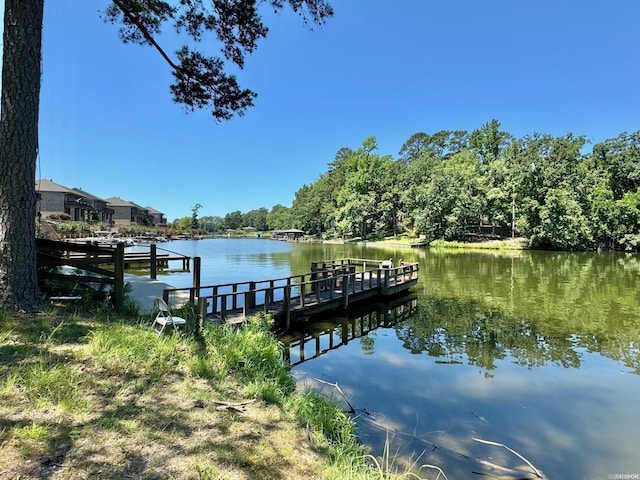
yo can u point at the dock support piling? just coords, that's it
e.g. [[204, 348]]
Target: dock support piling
[[118, 280], [287, 304], [153, 264]]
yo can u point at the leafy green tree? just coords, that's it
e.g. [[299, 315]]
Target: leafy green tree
[[540, 164], [563, 225], [442, 144], [488, 144], [466, 194], [306, 210], [418, 200], [182, 223], [603, 216], [194, 216], [444, 196], [619, 157], [393, 184], [200, 82], [488, 141], [314, 207], [234, 220], [360, 207], [628, 220], [212, 224], [256, 218], [279, 218]]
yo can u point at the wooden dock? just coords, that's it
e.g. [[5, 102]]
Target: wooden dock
[[145, 259], [151, 259], [331, 285]]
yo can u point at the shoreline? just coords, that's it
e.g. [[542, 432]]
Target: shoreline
[[507, 244]]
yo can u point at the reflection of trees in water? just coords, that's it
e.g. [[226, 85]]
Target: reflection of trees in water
[[538, 307], [367, 343], [589, 292], [458, 332]]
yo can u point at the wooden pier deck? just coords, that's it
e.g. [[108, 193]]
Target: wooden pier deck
[[330, 285], [145, 259], [162, 260]]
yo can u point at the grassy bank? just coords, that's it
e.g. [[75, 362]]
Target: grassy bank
[[404, 240], [91, 395], [506, 244]]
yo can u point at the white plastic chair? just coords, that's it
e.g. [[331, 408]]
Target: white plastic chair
[[165, 317]]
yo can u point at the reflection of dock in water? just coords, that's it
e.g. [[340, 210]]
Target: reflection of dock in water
[[320, 337]]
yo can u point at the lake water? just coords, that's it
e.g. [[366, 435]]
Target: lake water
[[537, 351]]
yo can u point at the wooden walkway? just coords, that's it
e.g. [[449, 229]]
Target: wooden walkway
[[162, 260], [330, 285], [150, 259]]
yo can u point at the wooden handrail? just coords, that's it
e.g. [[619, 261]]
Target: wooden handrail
[[353, 282]]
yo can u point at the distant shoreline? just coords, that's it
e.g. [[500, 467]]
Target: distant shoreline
[[506, 244]]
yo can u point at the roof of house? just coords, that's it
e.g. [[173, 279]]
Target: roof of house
[[154, 211], [87, 194], [45, 185], [118, 202]]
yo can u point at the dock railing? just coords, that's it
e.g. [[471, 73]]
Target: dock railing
[[82, 264], [330, 284]]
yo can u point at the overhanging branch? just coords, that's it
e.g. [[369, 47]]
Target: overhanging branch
[[145, 32]]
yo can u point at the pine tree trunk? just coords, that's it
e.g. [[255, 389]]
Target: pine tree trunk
[[22, 55]]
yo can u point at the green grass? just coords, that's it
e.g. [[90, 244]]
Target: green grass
[[507, 244], [49, 383], [107, 397], [132, 352], [250, 354]]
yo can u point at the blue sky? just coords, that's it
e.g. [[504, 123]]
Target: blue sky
[[378, 68]]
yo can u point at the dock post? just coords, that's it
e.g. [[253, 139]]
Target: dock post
[[195, 292], [153, 266], [197, 263], [234, 300], [345, 291], [214, 307], [314, 278], [287, 305], [202, 314], [252, 296], [223, 307], [246, 307], [352, 270], [118, 274]]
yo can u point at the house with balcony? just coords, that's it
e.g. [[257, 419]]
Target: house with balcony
[[56, 199], [156, 216], [81, 206], [100, 212], [128, 213]]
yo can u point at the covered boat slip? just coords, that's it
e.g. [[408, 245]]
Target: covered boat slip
[[330, 285]]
